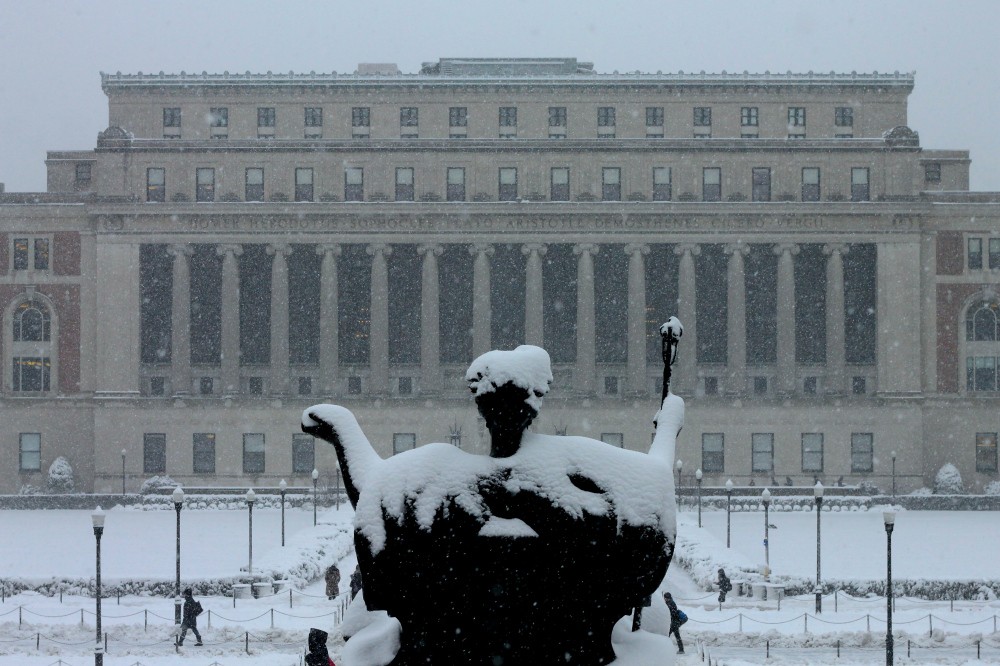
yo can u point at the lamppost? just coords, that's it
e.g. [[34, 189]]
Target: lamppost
[[889, 517], [765, 497], [729, 509], [282, 487], [98, 519], [697, 477], [251, 498], [680, 466], [178, 497], [315, 476], [818, 494], [123, 471], [893, 455]]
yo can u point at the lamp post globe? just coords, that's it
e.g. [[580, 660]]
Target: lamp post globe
[[729, 509], [251, 498], [765, 498], [680, 466], [818, 495], [178, 498], [97, 518], [697, 477], [315, 476], [282, 487], [889, 519]]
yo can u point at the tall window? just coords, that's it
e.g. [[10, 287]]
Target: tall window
[[30, 452], [932, 172], [611, 184], [408, 122], [203, 444], [711, 184], [862, 452], [859, 184], [508, 184], [661, 184], [404, 184], [403, 441], [253, 453], [605, 116], [456, 184], [812, 452], [748, 116], [83, 176], [762, 452], [994, 246], [843, 116], [154, 453], [982, 331], [810, 184], [713, 446], [975, 255], [303, 453], [559, 188], [761, 184], [796, 116], [361, 122], [557, 122], [508, 122], [32, 322], [254, 184], [265, 116], [304, 184], [218, 117], [205, 184], [31, 254], [702, 116], [458, 116], [354, 184], [313, 116], [654, 118], [986, 452], [172, 116], [156, 185], [31, 348]]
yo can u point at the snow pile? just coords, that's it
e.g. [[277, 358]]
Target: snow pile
[[154, 483], [948, 481], [527, 367], [992, 488], [61, 476]]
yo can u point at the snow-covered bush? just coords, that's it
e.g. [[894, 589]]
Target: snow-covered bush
[[869, 488], [948, 481], [922, 492], [155, 483], [992, 488], [61, 476], [28, 489]]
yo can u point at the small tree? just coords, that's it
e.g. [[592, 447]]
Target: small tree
[[154, 483], [948, 481], [61, 476]]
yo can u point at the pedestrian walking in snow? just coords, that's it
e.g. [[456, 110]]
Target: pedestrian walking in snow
[[355, 582], [725, 585], [332, 581], [318, 654], [189, 617], [677, 618]]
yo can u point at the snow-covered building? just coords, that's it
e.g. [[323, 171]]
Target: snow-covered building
[[239, 246]]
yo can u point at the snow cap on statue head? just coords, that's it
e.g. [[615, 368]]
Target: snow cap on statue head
[[527, 367]]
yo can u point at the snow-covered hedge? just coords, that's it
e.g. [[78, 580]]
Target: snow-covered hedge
[[61, 477], [948, 481]]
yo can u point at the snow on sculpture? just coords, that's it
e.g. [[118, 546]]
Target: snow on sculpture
[[528, 556]]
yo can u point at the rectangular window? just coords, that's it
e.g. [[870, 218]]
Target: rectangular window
[[557, 122], [975, 253], [810, 184], [254, 184], [305, 385], [458, 116], [508, 116], [810, 385], [711, 184], [713, 452], [654, 116], [253, 453], [154, 453], [508, 184], [361, 116], [172, 117], [313, 116], [303, 184], [219, 117], [859, 385], [157, 386], [611, 385], [796, 116], [762, 452], [408, 116], [456, 184], [605, 116], [405, 386], [354, 184], [559, 187], [42, 254], [862, 453], [21, 253], [30, 457], [303, 453], [83, 174], [156, 185], [748, 116], [206, 385], [354, 385], [31, 373], [843, 116], [932, 172], [986, 452], [981, 373], [404, 184], [205, 185], [661, 184], [812, 452], [760, 385], [994, 246], [204, 453], [702, 116], [711, 385], [403, 441], [265, 116], [255, 385], [614, 439], [611, 184], [761, 184], [859, 184]]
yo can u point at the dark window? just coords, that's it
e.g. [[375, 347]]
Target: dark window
[[810, 184], [304, 184], [405, 386], [403, 441], [981, 373], [611, 385], [157, 386], [812, 452], [702, 116], [862, 452], [843, 116], [404, 184], [254, 184], [557, 116], [994, 246], [614, 439], [559, 188], [21, 253], [354, 184], [508, 116], [31, 373], [809, 385], [303, 453], [932, 172], [661, 184], [748, 116], [313, 116], [253, 453], [654, 116], [204, 453], [154, 453], [611, 184], [458, 116], [172, 117], [975, 253], [762, 452], [83, 172], [713, 448], [605, 116], [206, 385], [711, 386], [219, 117], [30, 455], [305, 385], [205, 185], [361, 116], [761, 184], [508, 184], [354, 385], [265, 116], [408, 116], [255, 386], [986, 452], [711, 184], [156, 185], [859, 385], [796, 116], [859, 184], [31, 322], [760, 385], [456, 184], [42, 254]]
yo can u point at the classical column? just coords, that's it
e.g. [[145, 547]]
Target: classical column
[[482, 321], [230, 317], [279, 317], [430, 322], [736, 305], [378, 335], [329, 322], [586, 368], [687, 308], [180, 320], [636, 349], [786, 317], [116, 342], [835, 317], [534, 331]]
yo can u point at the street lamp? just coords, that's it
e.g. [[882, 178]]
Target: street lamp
[[889, 517], [697, 477], [98, 519], [178, 497], [818, 494], [765, 497], [893, 455], [282, 487], [729, 509], [123, 471], [315, 476], [251, 498], [680, 466]]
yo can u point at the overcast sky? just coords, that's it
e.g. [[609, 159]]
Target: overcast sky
[[52, 52]]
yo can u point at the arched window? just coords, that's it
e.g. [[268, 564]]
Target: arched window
[[982, 352], [31, 322], [31, 347]]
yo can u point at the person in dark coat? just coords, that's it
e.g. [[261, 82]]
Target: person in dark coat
[[725, 585], [332, 581], [355, 582], [189, 617], [318, 655], [675, 621]]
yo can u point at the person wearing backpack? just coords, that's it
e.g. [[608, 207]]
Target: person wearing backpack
[[189, 617], [725, 585], [677, 618]]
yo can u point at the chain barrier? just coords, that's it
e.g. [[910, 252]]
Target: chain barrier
[[926, 618]]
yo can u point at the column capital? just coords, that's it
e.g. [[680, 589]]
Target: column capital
[[589, 248], [379, 248], [229, 248], [632, 248], [841, 248], [530, 248], [328, 248], [283, 249], [739, 247], [434, 248], [791, 248], [687, 248], [481, 248], [180, 250]]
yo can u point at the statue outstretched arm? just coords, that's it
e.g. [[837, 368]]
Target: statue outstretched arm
[[337, 425]]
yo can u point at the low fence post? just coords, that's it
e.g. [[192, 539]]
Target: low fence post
[[952, 605], [977, 649], [907, 648], [38, 641], [768, 649], [741, 623], [81, 617], [19, 621], [272, 618], [247, 639], [930, 623], [209, 626], [805, 623], [289, 597], [234, 596], [60, 595], [145, 620], [105, 642], [836, 594], [838, 648], [868, 622]]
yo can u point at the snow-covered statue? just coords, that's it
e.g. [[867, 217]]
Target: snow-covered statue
[[526, 557]]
